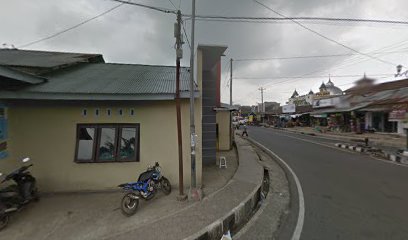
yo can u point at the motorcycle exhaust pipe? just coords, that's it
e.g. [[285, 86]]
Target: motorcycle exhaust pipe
[[133, 196], [11, 210]]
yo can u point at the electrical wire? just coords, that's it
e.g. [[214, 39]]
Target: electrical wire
[[173, 5], [281, 19], [354, 60], [203, 17], [160, 9], [306, 57], [70, 28], [185, 34], [347, 63], [325, 37], [303, 77]]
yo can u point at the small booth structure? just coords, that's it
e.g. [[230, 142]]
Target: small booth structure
[[224, 129]]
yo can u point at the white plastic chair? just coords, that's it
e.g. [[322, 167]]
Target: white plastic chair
[[223, 162]]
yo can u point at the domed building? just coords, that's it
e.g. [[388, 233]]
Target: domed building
[[301, 100], [333, 90], [329, 89]]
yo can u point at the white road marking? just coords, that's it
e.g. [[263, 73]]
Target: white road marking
[[301, 215]]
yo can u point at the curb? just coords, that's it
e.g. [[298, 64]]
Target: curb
[[337, 137], [296, 196], [389, 156], [234, 219]]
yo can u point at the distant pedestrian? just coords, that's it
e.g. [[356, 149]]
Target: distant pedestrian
[[245, 131]]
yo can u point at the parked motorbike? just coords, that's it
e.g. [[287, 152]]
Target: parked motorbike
[[146, 187], [16, 196]]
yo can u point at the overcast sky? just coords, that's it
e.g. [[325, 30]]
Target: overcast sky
[[132, 34]]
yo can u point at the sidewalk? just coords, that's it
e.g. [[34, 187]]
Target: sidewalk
[[386, 140], [223, 210], [230, 194]]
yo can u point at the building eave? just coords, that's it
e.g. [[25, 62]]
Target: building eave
[[10, 95]]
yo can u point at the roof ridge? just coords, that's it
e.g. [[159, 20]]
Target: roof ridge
[[43, 51], [139, 64]]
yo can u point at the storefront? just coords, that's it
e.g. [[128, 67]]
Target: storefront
[[400, 119]]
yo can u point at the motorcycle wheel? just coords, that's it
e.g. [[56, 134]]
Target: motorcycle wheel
[[165, 185], [4, 219], [129, 205]]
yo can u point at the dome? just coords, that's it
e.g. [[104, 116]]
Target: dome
[[322, 86], [329, 83], [295, 94], [333, 90]]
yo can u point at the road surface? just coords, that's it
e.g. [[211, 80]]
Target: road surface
[[347, 195]]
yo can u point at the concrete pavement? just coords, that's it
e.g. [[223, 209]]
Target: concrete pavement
[[347, 195], [226, 209], [232, 195]]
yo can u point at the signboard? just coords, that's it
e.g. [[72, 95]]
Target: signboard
[[397, 115], [320, 103], [3, 132], [290, 108]]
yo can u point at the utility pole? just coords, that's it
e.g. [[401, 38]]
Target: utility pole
[[231, 82], [193, 189], [179, 55], [262, 103]]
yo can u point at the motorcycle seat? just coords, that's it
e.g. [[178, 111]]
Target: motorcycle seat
[[146, 175]]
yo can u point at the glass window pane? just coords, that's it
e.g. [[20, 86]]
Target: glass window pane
[[128, 143], [85, 143], [107, 144]]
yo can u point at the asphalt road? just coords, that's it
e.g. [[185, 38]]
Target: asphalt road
[[347, 195]]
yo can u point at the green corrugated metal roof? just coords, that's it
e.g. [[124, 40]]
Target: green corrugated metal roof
[[44, 59], [107, 78], [19, 76], [107, 81]]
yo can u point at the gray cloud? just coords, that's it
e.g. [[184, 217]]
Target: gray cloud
[[136, 35]]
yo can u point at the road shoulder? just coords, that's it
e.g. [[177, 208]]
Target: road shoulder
[[269, 220]]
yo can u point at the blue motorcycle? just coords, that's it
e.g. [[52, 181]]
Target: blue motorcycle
[[146, 187]]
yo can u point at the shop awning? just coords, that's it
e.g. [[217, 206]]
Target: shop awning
[[339, 110], [376, 109]]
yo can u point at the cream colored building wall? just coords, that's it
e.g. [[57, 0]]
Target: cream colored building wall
[[185, 116], [224, 138], [48, 135]]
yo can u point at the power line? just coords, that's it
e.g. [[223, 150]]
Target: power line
[[303, 77], [349, 62], [306, 56], [70, 28], [173, 5], [327, 38], [281, 19], [203, 17], [160, 9], [185, 34]]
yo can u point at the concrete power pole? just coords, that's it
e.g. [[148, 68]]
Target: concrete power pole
[[179, 55], [231, 82], [195, 194], [262, 103]]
